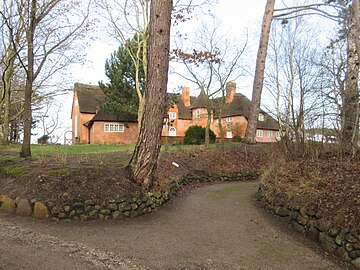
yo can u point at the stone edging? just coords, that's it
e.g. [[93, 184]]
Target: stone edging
[[110, 208], [343, 243]]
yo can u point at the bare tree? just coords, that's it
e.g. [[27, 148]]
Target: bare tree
[[48, 29], [144, 160], [211, 60]]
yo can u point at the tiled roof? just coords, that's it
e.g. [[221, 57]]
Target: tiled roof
[[200, 101], [89, 97]]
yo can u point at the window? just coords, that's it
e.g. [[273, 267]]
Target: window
[[259, 133], [229, 119], [114, 127], [269, 134], [278, 135], [172, 132], [76, 126], [172, 115], [261, 117], [229, 134], [197, 114]]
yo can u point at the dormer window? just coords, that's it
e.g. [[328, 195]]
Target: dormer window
[[261, 117], [172, 115], [197, 114]]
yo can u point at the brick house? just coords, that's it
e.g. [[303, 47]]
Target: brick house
[[91, 125]]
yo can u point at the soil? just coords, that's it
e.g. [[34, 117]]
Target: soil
[[213, 227]]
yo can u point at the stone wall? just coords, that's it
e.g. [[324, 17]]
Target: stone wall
[[109, 208], [342, 242]]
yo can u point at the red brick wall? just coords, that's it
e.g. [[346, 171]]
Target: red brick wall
[[98, 135], [82, 118]]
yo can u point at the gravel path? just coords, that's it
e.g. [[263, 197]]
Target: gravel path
[[214, 227]]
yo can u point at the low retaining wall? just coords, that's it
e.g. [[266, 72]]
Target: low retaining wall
[[109, 208], [340, 241]]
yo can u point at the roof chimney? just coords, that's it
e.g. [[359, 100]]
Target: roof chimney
[[230, 92], [185, 95]]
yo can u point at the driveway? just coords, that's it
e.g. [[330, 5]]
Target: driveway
[[213, 227]]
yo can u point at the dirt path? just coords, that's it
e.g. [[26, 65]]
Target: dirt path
[[215, 227]]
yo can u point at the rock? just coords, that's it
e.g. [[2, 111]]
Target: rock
[[90, 202], [340, 237], [7, 205], [124, 206], [111, 201], [357, 246], [72, 214], [355, 254], [134, 206], [334, 232], [349, 247], [101, 216], [77, 205], [133, 214], [311, 212], [312, 233], [56, 210], [84, 217], [93, 214], [356, 262], [40, 210], [302, 220], [112, 206], [350, 238], [116, 215], [327, 242], [282, 211], [343, 254], [97, 207], [79, 210], [62, 215], [127, 213], [322, 224], [67, 208], [89, 208], [150, 201], [105, 211], [23, 207]]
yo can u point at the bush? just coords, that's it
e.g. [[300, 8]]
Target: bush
[[237, 138], [196, 135], [43, 139]]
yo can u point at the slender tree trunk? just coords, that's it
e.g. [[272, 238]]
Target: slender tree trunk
[[144, 160], [207, 129], [350, 126], [7, 88], [259, 73], [25, 148]]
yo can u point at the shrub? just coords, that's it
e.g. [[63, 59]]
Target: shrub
[[196, 135], [237, 138], [43, 139]]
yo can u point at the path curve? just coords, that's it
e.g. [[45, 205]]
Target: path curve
[[214, 227]]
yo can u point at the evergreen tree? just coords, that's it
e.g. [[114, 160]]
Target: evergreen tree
[[120, 93]]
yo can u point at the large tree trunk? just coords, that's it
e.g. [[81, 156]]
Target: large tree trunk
[[25, 147], [259, 73], [350, 126], [144, 160]]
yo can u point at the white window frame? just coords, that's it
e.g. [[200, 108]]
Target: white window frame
[[259, 133], [172, 132], [270, 134], [197, 114], [111, 127], [229, 119], [172, 115], [76, 126], [229, 135], [278, 135], [261, 117]]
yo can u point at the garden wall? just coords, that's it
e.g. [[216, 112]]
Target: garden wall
[[343, 242], [108, 208]]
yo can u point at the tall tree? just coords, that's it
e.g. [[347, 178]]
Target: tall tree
[[48, 30], [259, 72], [120, 92], [144, 160]]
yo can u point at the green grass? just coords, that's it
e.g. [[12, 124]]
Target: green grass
[[10, 170]]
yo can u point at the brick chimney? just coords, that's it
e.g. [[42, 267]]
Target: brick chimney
[[185, 95], [230, 92]]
